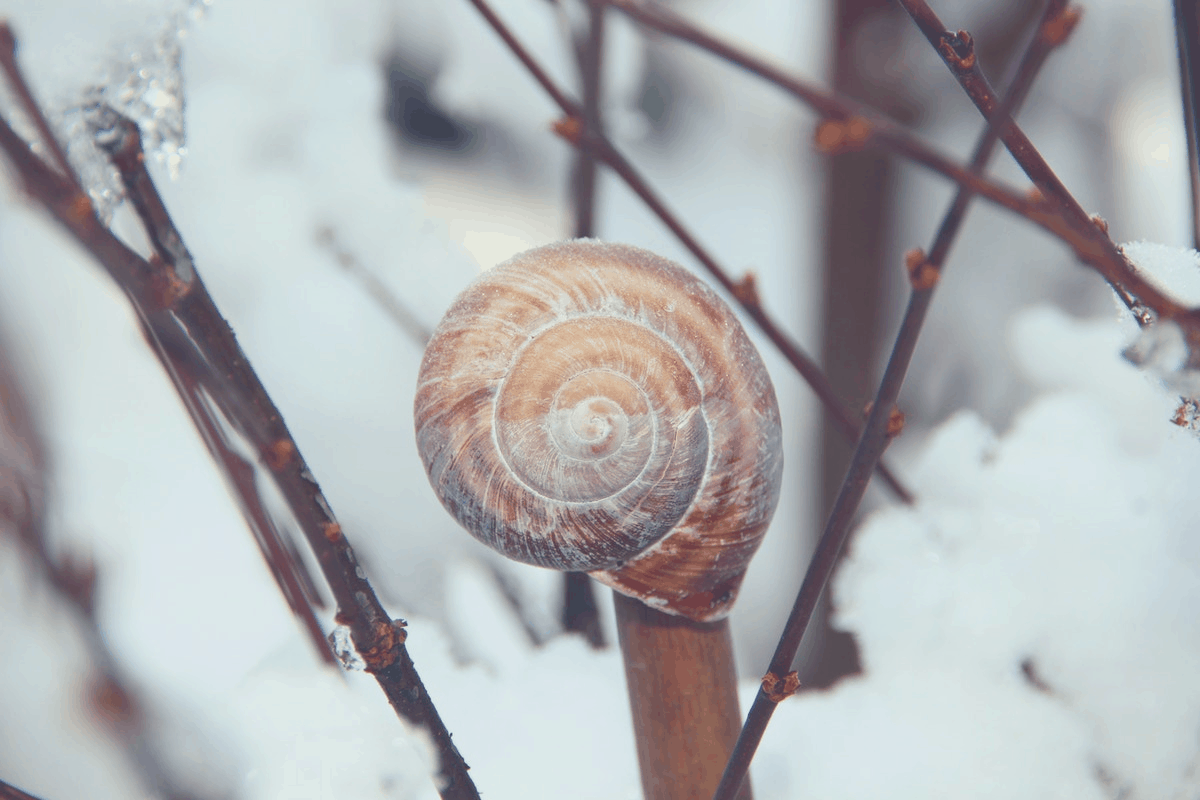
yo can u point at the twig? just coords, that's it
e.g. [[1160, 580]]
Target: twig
[[744, 291], [882, 423], [591, 57], [392, 305], [188, 333], [207, 399], [862, 125], [1187, 33], [1088, 237], [683, 696], [580, 613], [1091, 247], [8, 62]]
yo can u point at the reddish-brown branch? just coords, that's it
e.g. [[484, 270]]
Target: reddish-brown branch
[[851, 123], [573, 131], [1089, 239], [8, 62], [591, 57], [580, 614], [883, 422], [204, 395], [1060, 217], [190, 337]]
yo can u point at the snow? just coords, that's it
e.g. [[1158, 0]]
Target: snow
[[1054, 528]]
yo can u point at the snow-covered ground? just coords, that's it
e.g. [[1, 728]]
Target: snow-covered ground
[[1028, 629]]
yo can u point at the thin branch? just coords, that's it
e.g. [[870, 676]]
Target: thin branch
[[1088, 237], [8, 62], [188, 333], [870, 127], [884, 420], [392, 305], [189, 372], [744, 291], [1187, 33], [591, 58], [580, 614]]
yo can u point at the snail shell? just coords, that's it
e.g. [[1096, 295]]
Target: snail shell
[[593, 407]]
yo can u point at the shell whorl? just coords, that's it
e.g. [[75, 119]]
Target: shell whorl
[[594, 407]]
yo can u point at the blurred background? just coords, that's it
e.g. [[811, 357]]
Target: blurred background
[[300, 145]]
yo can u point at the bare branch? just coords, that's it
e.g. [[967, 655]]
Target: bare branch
[[1088, 237], [191, 339], [884, 421], [742, 291]]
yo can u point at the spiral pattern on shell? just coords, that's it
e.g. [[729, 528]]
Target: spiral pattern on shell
[[594, 407]]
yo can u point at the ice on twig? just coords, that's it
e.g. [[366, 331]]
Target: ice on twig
[[343, 647], [1161, 348], [145, 84]]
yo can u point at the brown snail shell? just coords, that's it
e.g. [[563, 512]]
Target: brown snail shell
[[593, 407]]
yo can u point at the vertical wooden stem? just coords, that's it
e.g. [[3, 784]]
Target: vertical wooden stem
[[683, 693]]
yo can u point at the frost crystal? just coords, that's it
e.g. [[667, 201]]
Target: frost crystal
[[1162, 349], [146, 85], [343, 648]]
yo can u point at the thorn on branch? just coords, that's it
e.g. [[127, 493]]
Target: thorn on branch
[[778, 690], [835, 136], [1057, 30], [921, 274], [959, 50]]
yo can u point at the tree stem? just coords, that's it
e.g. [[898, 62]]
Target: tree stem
[[683, 694]]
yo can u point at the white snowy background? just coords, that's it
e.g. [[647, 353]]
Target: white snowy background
[[1057, 518]]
